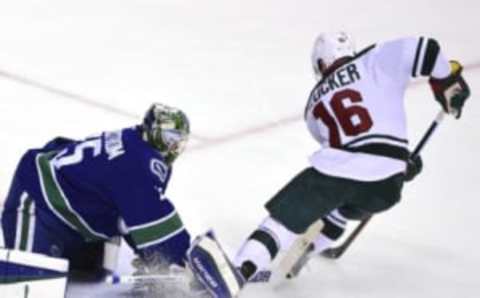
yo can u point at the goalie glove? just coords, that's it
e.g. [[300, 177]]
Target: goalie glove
[[452, 91]]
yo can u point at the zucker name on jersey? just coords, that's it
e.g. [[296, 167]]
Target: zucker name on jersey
[[342, 77]]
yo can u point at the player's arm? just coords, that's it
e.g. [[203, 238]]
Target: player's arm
[[446, 80], [407, 58], [169, 245], [157, 233], [410, 57], [152, 225], [451, 91], [164, 241]]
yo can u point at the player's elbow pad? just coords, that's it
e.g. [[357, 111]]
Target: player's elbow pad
[[426, 56]]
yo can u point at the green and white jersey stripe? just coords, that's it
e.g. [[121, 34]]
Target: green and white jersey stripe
[[58, 202], [2, 237], [25, 223], [156, 232]]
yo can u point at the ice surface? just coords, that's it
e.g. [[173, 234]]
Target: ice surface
[[241, 71]]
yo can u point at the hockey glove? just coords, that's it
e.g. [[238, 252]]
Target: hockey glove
[[414, 167], [452, 91]]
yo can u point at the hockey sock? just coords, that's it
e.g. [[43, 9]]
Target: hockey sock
[[263, 246], [335, 225]]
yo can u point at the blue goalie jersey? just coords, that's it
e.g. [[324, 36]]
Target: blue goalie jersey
[[108, 185]]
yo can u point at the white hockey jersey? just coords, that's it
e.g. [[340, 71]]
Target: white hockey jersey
[[357, 114]]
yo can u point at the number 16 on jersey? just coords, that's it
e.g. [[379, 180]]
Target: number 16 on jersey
[[346, 112]]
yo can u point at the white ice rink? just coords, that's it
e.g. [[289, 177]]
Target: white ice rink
[[241, 70]]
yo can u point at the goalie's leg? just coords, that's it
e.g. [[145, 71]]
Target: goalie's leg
[[27, 274], [212, 268]]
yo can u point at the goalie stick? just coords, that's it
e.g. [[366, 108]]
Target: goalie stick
[[159, 285], [131, 279], [337, 252]]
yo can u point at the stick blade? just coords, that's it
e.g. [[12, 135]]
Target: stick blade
[[332, 253]]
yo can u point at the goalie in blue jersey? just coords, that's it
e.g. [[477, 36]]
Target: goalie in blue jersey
[[71, 196]]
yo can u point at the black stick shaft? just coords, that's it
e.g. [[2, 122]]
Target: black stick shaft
[[427, 134], [337, 252]]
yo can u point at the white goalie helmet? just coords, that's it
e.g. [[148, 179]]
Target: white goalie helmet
[[328, 48]]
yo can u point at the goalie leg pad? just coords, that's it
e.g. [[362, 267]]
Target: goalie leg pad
[[212, 268], [25, 274]]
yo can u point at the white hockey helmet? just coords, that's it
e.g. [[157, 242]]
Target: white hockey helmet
[[328, 48]]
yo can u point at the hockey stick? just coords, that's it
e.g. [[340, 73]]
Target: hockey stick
[[299, 248], [337, 252], [175, 285], [131, 279]]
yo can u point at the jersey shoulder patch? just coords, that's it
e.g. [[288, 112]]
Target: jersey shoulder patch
[[114, 144], [140, 156], [159, 169]]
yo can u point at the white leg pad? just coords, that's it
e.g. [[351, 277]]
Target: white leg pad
[[216, 253], [111, 253], [30, 283], [2, 239]]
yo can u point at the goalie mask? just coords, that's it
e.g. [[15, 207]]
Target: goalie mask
[[328, 48], [166, 129]]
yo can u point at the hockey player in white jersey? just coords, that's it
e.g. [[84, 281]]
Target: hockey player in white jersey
[[356, 112]]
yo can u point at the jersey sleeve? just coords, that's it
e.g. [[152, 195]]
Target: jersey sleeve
[[57, 143], [411, 57], [152, 223]]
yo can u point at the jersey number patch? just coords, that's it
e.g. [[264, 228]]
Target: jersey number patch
[[66, 159], [354, 119]]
